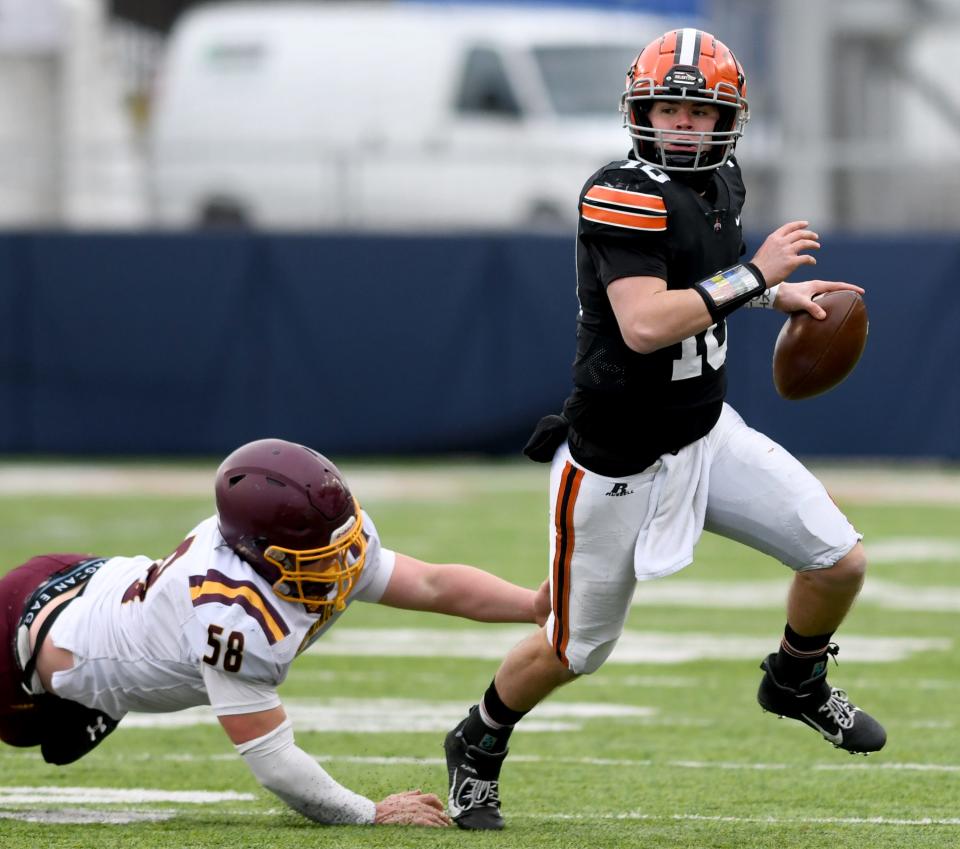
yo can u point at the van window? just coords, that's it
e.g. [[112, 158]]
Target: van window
[[585, 79], [484, 87]]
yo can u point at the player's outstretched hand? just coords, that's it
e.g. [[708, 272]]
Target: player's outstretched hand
[[798, 297], [412, 807], [780, 254]]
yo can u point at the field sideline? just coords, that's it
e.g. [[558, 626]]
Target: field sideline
[[664, 747], [873, 483]]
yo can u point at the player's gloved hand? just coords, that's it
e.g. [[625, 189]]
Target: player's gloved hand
[[798, 297], [779, 255], [412, 807], [541, 603]]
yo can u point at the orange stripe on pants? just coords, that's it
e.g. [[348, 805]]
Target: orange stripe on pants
[[570, 481]]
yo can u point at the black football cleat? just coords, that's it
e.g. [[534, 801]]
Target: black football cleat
[[474, 778], [824, 708]]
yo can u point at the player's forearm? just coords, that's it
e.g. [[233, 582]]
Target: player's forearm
[[666, 318], [290, 773], [471, 593], [652, 317]]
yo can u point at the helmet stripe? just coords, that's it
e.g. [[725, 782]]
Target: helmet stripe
[[688, 47]]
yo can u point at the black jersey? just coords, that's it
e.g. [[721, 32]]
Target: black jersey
[[628, 408]]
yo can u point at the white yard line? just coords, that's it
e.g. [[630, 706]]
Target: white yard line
[[890, 484], [391, 716], [491, 643], [631, 763], [771, 595], [124, 817], [79, 816], [774, 821], [870, 484], [905, 550], [431, 483], [860, 765], [24, 795]]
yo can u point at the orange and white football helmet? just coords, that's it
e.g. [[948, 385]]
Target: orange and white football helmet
[[691, 65]]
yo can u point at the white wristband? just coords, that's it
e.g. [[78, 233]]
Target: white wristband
[[764, 301], [284, 769]]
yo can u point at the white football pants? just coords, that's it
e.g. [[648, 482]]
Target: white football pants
[[608, 533]]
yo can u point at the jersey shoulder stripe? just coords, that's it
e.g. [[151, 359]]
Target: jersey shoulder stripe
[[623, 196], [215, 587], [627, 198], [620, 218]]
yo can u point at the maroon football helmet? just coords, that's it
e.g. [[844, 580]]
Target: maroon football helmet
[[286, 510]]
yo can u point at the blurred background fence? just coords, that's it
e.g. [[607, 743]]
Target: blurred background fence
[[111, 110], [173, 344]]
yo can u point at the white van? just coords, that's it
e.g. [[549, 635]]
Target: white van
[[388, 116]]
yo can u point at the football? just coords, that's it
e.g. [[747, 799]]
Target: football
[[811, 355]]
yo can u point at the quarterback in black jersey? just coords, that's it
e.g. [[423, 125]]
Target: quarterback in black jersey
[[631, 402], [647, 454]]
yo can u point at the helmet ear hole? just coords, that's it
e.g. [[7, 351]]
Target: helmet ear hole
[[641, 112], [235, 479], [728, 115]]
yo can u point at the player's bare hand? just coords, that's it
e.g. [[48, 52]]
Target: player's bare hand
[[781, 253], [541, 603], [412, 807], [798, 297]]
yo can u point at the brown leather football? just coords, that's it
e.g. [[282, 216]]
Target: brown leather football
[[812, 356]]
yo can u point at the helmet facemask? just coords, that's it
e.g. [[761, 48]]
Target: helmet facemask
[[709, 150], [321, 577]]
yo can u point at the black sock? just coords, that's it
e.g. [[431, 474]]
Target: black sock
[[484, 735], [801, 658]]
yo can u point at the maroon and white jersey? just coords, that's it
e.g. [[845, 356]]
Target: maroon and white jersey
[[198, 627]]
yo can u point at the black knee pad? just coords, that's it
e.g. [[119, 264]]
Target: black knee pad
[[70, 730]]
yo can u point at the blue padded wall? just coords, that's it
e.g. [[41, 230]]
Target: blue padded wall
[[194, 343]]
